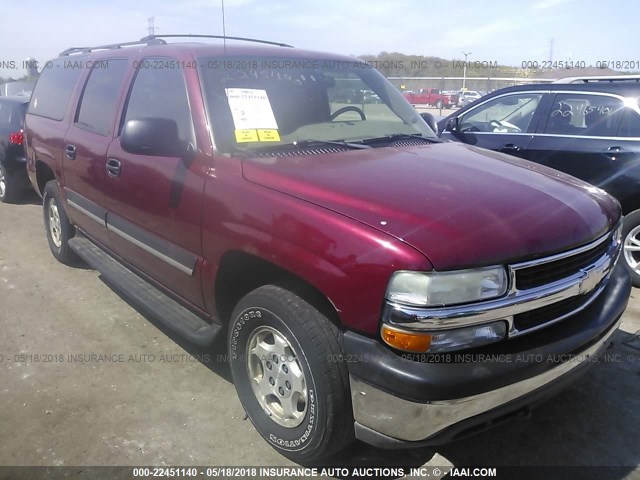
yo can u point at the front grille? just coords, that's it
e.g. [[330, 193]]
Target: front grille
[[545, 273], [540, 316]]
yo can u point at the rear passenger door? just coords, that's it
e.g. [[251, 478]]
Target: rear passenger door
[[155, 202], [580, 136], [86, 143], [504, 124]]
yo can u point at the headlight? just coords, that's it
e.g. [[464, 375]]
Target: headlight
[[430, 289]]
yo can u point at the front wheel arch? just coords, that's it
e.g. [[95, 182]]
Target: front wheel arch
[[240, 273]]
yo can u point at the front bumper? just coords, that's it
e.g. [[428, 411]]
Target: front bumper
[[398, 402]]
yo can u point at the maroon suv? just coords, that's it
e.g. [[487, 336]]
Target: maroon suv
[[371, 280]]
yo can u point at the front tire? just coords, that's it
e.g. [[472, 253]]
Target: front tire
[[631, 246], [288, 370], [59, 229]]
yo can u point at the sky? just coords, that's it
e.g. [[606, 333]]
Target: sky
[[508, 32]]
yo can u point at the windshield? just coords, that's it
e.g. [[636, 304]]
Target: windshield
[[255, 103]]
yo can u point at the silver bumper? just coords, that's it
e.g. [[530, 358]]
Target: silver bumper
[[409, 421]]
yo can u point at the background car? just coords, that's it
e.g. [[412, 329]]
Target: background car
[[13, 89], [13, 173], [588, 130], [467, 97]]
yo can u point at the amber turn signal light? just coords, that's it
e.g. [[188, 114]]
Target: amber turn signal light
[[406, 341]]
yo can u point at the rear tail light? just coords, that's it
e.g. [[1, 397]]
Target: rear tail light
[[16, 138]]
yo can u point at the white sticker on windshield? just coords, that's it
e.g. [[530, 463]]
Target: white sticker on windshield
[[251, 109]]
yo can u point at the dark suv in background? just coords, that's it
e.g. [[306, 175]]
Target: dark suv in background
[[589, 128], [13, 172], [346, 253]]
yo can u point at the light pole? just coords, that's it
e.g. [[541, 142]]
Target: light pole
[[464, 71]]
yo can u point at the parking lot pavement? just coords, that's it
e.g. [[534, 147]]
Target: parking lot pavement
[[144, 399]]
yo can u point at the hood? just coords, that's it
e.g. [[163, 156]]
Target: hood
[[461, 206]]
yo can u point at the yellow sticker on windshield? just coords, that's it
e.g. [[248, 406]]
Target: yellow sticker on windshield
[[246, 136], [268, 135]]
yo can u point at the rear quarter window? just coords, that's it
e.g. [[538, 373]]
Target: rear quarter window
[[53, 90]]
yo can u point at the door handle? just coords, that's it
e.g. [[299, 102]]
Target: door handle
[[70, 150], [114, 167], [613, 152], [509, 148]]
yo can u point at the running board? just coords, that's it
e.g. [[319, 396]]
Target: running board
[[141, 293]]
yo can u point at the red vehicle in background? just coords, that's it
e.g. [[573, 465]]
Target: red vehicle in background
[[432, 97]]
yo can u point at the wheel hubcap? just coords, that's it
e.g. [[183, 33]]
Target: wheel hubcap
[[3, 184], [55, 228], [632, 249], [276, 377]]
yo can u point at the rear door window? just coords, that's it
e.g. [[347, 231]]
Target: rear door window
[[585, 115], [53, 91], [99, 100]]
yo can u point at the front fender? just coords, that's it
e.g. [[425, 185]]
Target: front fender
[[349, 262]]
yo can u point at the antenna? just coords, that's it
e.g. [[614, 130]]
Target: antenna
[[152, 26], [224, 31]]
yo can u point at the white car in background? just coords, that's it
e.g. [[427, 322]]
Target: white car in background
[[466, 97]]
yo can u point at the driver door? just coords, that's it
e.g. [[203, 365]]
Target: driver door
[[505, 123]]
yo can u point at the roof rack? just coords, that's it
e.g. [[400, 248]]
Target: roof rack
[[113, 46], [158, 40], [600, 78], [222, 37]]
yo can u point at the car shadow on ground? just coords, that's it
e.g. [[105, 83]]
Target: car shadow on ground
[[592, 423], [30, 197]]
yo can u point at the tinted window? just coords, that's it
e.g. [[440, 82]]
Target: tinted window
[[100, 96], [593, 115], [630, 124], [12, 115], [161, 93], [54, 89], [507, 114]]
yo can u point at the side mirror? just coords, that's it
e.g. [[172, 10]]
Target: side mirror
[[452, 125], [431, 121], [152, 136]]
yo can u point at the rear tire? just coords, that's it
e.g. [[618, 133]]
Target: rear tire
[[299, 400], [59, 229], [631, 246], [8, 191], [439, 104]]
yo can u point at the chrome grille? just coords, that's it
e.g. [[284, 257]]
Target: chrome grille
[[552, 271], [552, 313]]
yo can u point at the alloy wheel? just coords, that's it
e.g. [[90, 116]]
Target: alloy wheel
[[632, 249], [55, 226], [277, 379]]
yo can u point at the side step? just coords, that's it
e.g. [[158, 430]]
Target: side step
[[152, 301]]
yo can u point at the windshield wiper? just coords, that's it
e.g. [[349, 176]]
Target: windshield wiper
[[400, 136]]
